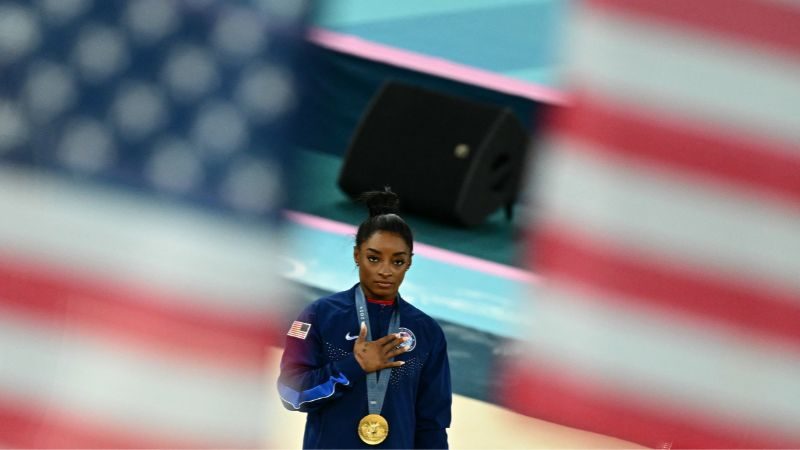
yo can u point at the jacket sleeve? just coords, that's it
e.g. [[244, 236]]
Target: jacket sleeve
[[434, 399], [308, 380]]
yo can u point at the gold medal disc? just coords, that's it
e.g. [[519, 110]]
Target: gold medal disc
[[373, 429]]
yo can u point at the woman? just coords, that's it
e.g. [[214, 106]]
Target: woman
[[369, 368]]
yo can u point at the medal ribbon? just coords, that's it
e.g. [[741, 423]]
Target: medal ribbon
[[376, 387]]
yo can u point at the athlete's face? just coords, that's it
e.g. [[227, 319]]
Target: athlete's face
[[382, 260]]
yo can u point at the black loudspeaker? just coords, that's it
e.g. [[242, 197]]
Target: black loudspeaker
[[447, 158]]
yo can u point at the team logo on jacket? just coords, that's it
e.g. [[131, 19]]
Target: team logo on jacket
[[411, 343]]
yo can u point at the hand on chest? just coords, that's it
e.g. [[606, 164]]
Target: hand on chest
[[343, 332]]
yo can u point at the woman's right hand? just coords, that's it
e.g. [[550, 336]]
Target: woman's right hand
[[373, 356]]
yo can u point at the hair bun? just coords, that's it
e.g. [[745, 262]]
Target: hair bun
[[381, 202]]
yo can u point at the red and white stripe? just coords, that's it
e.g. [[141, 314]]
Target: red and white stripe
[[129, 323], [299, 330], [667, 229]]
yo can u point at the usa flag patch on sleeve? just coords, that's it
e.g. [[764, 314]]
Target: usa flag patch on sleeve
[[299, 329]]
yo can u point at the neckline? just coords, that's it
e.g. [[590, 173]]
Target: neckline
[[381, 302]]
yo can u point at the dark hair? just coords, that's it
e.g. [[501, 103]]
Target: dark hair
[[383, 208]]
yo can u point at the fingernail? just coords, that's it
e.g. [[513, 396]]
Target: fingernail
[[406, 338], [402, 362]]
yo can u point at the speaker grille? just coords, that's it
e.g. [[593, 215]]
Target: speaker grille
[[424, 145]]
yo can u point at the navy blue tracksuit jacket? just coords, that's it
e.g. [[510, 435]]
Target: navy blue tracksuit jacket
[[320, 376]]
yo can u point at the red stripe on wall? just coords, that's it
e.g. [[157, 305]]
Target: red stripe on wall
[[767, 23], [578, 400], [754, 163], [133, 315], [565, 254]]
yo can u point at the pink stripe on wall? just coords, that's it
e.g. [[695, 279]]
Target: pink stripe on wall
[[428, 251], [434, 66], [320, 223]]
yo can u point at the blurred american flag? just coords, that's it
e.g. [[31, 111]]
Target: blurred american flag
[[143, 148], [668, 229]]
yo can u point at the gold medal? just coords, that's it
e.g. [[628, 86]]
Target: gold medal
[[373, 429]]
